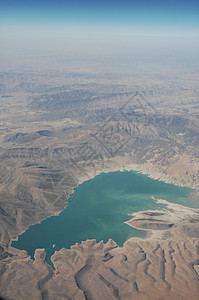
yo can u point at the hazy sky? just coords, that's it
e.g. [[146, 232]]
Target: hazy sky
[[171, 16], [143, 26]]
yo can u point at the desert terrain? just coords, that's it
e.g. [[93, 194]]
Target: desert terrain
[[61, 128]]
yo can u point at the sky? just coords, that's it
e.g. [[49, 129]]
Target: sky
[[170, 16], [148, 24]]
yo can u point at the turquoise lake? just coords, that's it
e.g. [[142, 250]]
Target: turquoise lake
[[99, 209]]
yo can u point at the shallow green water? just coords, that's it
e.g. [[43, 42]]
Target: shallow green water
[[99, 210]]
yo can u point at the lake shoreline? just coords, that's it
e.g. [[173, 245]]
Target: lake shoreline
[[147, 234]]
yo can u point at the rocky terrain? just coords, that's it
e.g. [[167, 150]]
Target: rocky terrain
[[141, 269], [58, 129]]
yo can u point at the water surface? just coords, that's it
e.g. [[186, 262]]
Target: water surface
[[99, 210]]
